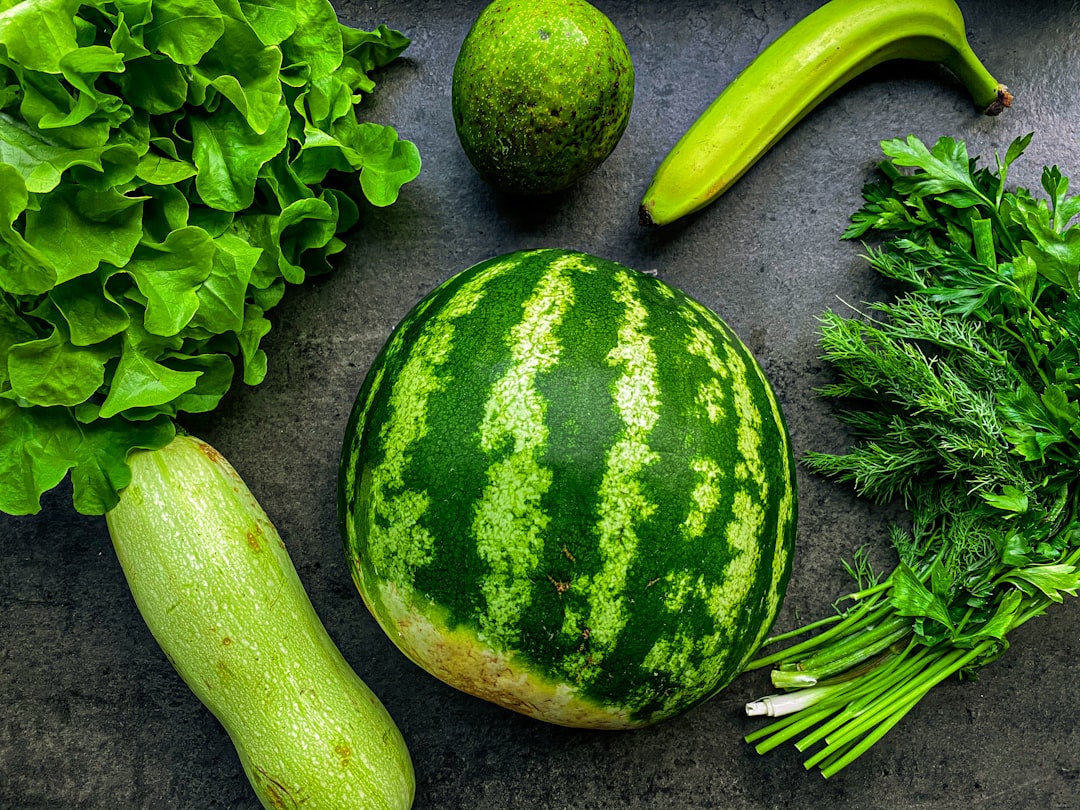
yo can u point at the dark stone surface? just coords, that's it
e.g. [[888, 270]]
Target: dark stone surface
[[93, 716]]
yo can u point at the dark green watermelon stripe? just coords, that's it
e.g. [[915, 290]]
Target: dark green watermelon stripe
[[399, 539], [776, 458], [349, 470], [624, 504], [725, 518], [580, 435], [510, 520]]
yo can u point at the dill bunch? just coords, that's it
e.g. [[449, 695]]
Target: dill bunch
[[963, 395]]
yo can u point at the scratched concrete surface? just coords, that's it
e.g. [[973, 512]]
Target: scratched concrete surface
[[93, 717]]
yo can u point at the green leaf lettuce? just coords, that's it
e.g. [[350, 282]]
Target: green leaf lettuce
[[167, 167]]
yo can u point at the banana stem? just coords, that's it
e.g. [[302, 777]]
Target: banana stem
[[989, 95]]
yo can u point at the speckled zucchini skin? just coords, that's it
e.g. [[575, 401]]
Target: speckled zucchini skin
[[218, 590]]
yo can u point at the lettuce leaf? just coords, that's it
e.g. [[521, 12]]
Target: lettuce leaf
[[167, 167]]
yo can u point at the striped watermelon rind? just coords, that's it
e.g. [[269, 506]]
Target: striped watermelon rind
[[568, 488]]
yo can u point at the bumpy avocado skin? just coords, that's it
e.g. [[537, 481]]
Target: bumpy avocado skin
[[542, 91]]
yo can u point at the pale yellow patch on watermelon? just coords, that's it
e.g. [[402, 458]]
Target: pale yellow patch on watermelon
[[458, 657]]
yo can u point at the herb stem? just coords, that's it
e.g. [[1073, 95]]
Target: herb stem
[[967, 411], [847, 654], [858, 618]]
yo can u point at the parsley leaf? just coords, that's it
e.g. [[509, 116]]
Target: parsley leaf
[[963, 394]]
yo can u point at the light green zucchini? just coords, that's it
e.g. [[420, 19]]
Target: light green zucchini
[[218, 590]]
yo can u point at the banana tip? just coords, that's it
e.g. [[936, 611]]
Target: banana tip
[[644, 215], [1001, 103]]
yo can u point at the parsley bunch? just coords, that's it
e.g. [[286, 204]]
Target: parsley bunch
[[963, 394], [166, 168]]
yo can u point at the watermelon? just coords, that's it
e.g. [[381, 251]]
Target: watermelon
[[568, 488]]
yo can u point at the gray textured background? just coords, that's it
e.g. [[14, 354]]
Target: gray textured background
[[92, 715]]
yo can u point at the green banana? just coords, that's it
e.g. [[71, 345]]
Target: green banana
[[795, 73]]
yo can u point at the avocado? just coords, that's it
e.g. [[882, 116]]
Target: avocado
[[542, 91]]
